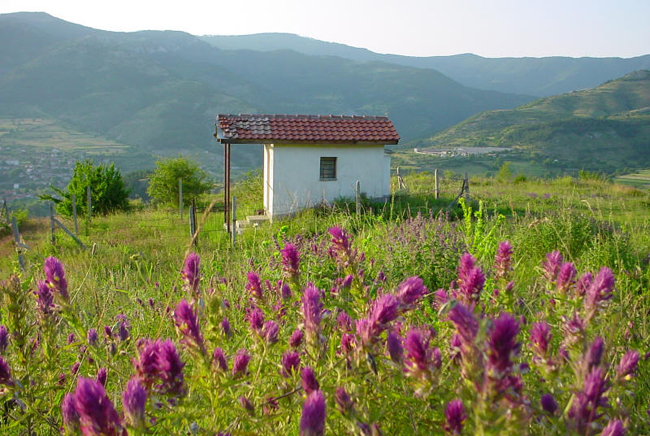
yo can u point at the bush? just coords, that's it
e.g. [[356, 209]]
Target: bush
[[107, 191], [163, 183]]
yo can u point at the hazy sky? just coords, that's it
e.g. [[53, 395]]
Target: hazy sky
[[491, 28]]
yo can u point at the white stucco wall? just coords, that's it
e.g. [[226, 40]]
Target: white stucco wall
[[291, 175]]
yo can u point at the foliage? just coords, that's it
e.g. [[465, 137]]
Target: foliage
[[164, 185], [107, 191], [505, 173]]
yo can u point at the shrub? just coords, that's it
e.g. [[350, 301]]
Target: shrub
[[163, 183], [107, 191]]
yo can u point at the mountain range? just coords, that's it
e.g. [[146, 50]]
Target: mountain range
[[540, 77], [158, 92]]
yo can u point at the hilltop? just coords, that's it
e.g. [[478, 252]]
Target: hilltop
[[601, 129]]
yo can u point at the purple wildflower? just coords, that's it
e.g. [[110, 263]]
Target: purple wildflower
[[454, 417], [312, 420], [254, 285], [348, 343], [465, 323], [584, 283], [70, 339], [308, 380], [416, 346], [566, 277], [240, 365], [549, 405], [97, 416], [395, 349], [187, 324], [410, 291], [219, 358], [502, 343], [600, 291], [70, 414], [75, 368], [4, 338], [573, 329], [190, 272], [44, 300], [159, 367], [102, 375], [270, 331], [383, 311], [92, 337], [625, 369], [169, 368], [344, 322], [540, 337], [246, 404], [225, 327], [285, 291], [55, 277], [296, 338], [290, 363], [594, 354], [552, 265], [290, 260], [614, 428], [134, 400], [312, 309], [584, 410], [255, 319], [347, 281], [123, 331], [145, 365], [343, 400], [5, 373], [503, 261], [340, 240], [470, 280], [365, 332]]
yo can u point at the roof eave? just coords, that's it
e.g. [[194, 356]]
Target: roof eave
[[293, 142]]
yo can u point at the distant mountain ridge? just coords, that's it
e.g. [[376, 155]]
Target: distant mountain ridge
[[540, 77], [160, 90]]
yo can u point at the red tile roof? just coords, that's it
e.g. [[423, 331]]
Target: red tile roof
[[305, 129]]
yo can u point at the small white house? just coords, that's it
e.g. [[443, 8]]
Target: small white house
[[310, 159]]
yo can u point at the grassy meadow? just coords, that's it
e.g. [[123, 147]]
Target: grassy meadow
[[413, 316]]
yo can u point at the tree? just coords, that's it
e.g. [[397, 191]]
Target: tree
[[107, 190], [163, 183]]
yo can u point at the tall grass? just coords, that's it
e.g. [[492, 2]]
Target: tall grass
[[412, 317]]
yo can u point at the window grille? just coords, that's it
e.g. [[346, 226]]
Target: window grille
[[328, 168]]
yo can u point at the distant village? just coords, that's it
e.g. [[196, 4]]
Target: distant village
[[461, 151], [26, 171]]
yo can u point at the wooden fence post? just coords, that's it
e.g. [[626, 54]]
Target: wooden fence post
[[233, 234], [193, 222], [180, 197], [5, 209], [74, 214], [357, 197], [436, 186], [53, 238], [19, 245], [466, 183], [89, 203]]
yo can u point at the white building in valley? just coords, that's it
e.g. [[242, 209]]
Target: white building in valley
[[311, 159]]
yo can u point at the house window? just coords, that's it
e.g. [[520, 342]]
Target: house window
[[327, 168]]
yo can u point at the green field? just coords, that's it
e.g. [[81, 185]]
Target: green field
[[493, 333]]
